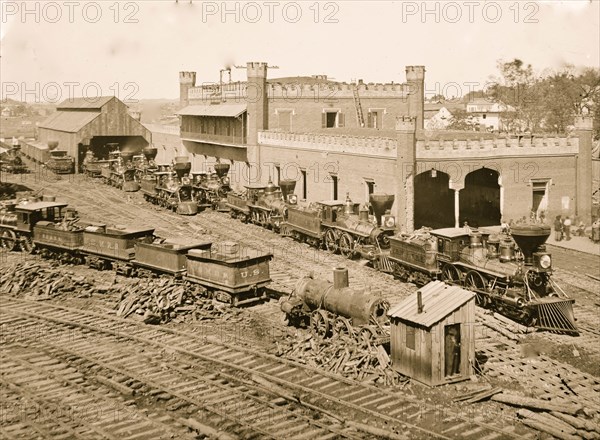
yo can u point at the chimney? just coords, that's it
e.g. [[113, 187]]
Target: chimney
[[340, 277], [258, 112], [419, 302]]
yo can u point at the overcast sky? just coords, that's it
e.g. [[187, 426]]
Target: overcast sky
[[136, 49]]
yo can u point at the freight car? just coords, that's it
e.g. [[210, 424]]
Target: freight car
[[509, 274], [343, 226], [262, 205], [211, 189], [35, 151], [335, 308]]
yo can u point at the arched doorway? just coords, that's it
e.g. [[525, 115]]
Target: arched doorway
[[480, 199], [434, 200]]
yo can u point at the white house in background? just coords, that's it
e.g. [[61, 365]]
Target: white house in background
[[438, 115], [487, 113]]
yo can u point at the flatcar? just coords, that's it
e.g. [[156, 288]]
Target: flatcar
[[509, 274], [343, 226]]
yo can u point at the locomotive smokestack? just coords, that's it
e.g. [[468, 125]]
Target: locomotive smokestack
[[287, 187], [221, 169], [381, 203], [419, 302], [340, 277]]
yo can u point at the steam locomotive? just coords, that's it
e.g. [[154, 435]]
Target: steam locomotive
[[509, 273], [262, 205], [210, 189], [119, 171], [344, 226], [171, 187], [336, 309], [11, 161], [221, 270]]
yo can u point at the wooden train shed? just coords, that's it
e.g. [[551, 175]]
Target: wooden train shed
[[433, 334], [82, 124]]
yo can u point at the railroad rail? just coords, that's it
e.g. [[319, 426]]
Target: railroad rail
[[94, 338]]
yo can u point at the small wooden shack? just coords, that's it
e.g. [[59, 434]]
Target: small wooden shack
[[433, 334]]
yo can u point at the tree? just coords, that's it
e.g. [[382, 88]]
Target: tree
[[461, 120]]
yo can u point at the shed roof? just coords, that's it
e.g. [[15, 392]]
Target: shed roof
[[36, 206], [439, 300], [219, 110], [69, 121], [84, 103]]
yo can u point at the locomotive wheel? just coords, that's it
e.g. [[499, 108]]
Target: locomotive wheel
[[346, 245], [8, 240], [26, 244], [319, 324], [365, 336], [475, 282], [342, 327], [450, 274], [331, 242]]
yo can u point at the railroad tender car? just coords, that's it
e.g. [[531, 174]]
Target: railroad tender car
[[104, 246], [168, 257], [230, 273]]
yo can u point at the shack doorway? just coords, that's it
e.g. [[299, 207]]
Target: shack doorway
[[452, 349]]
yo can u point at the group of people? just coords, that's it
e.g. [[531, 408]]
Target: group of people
[[562, 228]]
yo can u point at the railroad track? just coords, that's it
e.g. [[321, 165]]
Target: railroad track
[[107, 343]]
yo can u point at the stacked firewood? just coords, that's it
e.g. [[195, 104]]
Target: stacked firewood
[[42, 280], [342, 355], [157, 301], [561, 419]]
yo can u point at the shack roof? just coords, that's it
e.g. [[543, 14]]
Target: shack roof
[[36, 206], [439, 300]]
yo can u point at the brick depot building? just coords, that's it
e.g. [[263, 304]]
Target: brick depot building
[[337, 138]]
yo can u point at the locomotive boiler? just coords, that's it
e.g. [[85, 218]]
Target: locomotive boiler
[[58, 160], [144, 163], [343, 226], [336, 309]]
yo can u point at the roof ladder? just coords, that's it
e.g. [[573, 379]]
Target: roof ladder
[[359, 113]]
